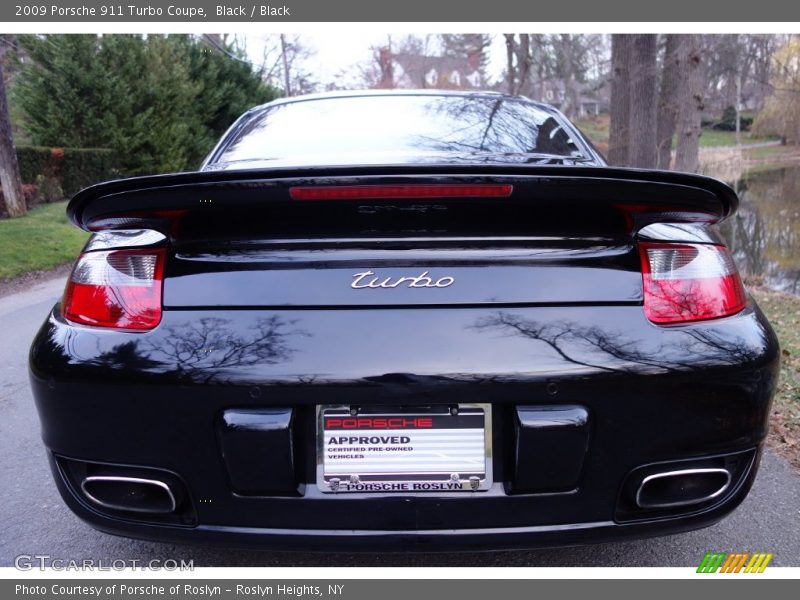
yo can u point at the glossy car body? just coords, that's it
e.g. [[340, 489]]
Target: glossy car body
[[274, 306]]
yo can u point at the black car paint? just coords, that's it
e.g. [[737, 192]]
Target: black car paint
[[562, 188], [261, 323], [646, 406]]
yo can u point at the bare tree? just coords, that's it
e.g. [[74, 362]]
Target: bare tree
[[523, 61], [632, 138], [668, 100], [620, 99], [763, 47], [9, 168], [287, 78], [568, 60], [518, 62], [283, 64], [737, 72], [573, 59], [568, 68], [378, 70], [642, 129], [691, 105], [781, 113], [510, 71]]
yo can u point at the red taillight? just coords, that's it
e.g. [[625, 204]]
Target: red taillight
[[689, 282], [120, 289], [400, 192]]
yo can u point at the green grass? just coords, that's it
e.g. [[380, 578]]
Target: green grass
[[711, 138], [596, 129], [41, 240], [771, 151], [783, 311]]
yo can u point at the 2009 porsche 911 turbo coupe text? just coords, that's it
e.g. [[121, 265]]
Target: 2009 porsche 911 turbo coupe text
[[404, 321]]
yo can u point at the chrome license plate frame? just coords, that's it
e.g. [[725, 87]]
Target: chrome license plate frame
[[407, 449]]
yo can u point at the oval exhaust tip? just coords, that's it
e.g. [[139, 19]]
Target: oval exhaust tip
[[133, 494], [682, 488]]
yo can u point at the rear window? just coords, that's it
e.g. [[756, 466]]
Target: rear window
[[346, 129]]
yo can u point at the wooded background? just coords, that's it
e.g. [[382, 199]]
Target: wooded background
[[75, 109]]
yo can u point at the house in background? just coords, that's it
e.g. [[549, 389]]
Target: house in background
[[591, 100], [418, 71]]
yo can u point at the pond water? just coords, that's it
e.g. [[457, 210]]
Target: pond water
[[764, 235]]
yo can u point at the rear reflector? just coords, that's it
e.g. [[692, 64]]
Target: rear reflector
[[399, 192], [689, 282], [120, 289]]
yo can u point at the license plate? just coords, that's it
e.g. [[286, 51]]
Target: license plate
[[430, 449]]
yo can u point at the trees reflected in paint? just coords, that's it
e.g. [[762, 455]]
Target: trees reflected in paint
[[204, 350], [616, 351]]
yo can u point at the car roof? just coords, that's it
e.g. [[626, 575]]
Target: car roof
[[404, 92]]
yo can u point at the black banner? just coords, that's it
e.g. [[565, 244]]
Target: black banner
[[296, 11], [385, 589]]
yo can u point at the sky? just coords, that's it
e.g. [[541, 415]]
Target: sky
[[334, 52]]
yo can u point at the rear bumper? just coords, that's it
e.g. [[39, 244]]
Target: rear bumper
[[466, 539], [696, 395]]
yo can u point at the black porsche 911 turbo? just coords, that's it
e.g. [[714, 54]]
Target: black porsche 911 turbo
[[404, 321]]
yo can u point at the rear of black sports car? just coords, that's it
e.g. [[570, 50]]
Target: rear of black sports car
[[469, 334]]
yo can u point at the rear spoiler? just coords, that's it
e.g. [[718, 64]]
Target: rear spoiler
[[643, 196]]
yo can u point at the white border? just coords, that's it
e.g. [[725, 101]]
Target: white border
[[340, 573]]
